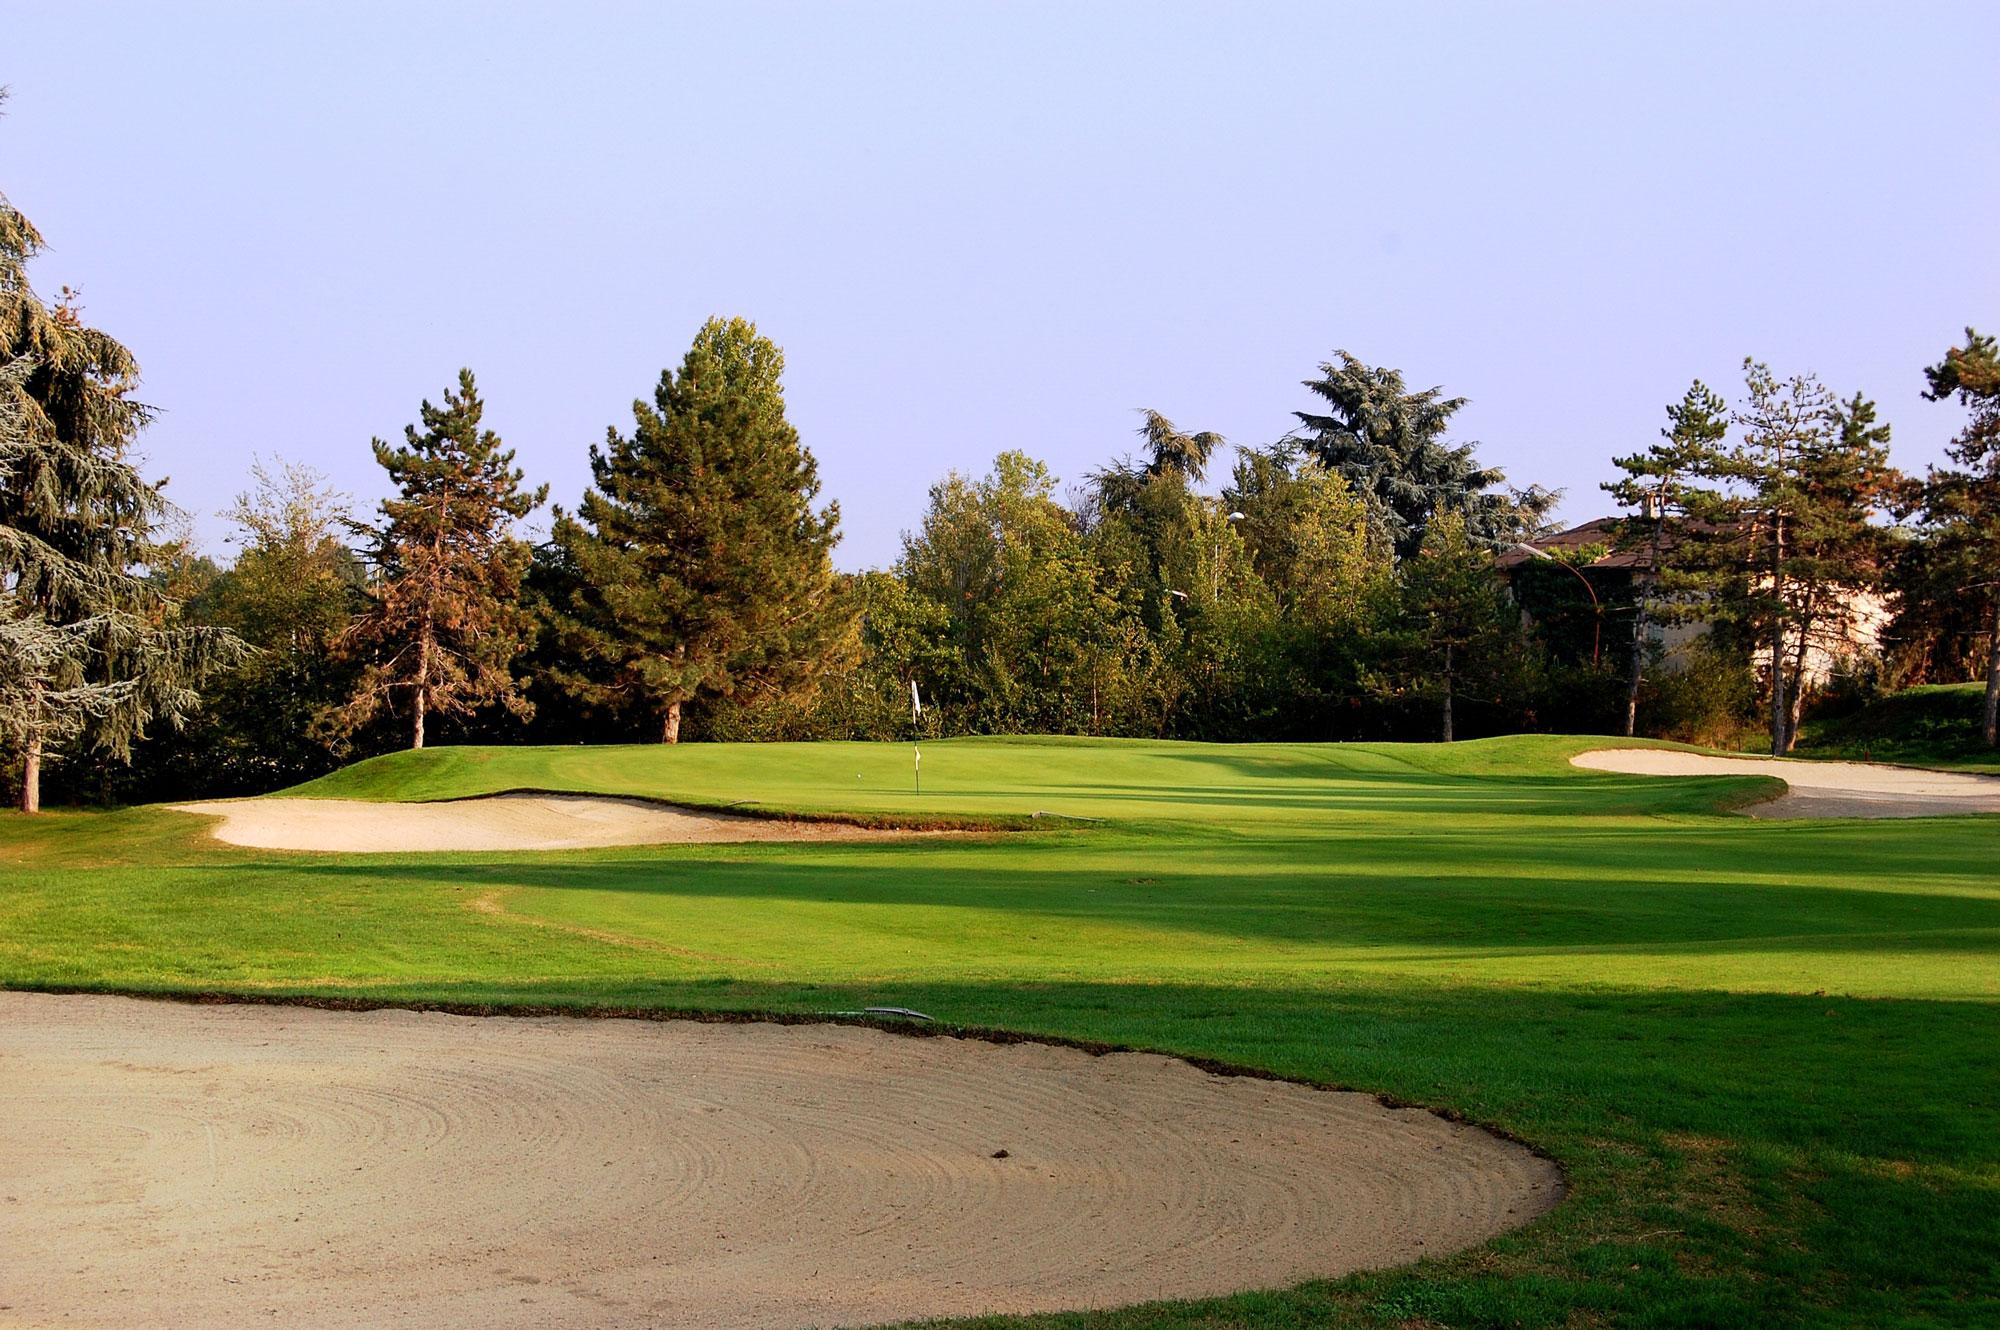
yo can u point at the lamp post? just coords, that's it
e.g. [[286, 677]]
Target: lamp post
[[1596, 605], [1215, 564]]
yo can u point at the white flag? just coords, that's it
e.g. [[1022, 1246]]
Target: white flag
[[916, 703]]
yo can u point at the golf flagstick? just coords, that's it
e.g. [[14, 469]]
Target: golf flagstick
[[916, 723]]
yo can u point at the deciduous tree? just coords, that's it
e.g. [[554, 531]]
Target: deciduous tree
[[293, 592], [1457, 622]]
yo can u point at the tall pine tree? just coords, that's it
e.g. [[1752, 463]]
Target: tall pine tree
[[1803, 481], [1658, 489], [1841, 554], [444, 621], [91, 650], [1962, 501], [697, 563]]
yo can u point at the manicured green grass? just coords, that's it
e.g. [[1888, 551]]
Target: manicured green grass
[[1936, 725], [1765, 1051]]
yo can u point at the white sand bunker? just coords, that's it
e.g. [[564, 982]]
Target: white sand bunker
[[223, 1166], [496, 822], [1818, 789]]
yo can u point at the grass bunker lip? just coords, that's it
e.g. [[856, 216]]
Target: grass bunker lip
[[527, 821], [1817, 788]]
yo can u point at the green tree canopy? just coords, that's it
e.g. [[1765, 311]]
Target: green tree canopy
[[94, 649], [1962, 501], [1308, 535], [1389, 445], [1803, 483], [1173, 459], [293, 592], [697, 564], [1458, 627], [1036, 634], [1658, 490]]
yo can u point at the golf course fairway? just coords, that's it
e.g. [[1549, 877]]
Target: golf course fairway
[[1766, 1054]]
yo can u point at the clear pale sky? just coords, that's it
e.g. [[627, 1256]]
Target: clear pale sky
[[981, 227]]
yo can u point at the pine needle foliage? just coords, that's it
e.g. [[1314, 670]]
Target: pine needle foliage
[[1962, 501], [444, 621], [1388, 443], [1173, 457], [1771, 535], [1802, 483], [92, 651], [696, 564], [1659, 489]]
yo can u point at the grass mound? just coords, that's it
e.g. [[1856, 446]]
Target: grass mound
[[1936, 725], [1008, 781]]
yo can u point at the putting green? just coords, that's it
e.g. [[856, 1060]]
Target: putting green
[[1763, 1051]]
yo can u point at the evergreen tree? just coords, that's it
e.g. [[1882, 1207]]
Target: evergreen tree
[[91, 649], [1389, 445], [1174, 459], [1962, 502], [700, 566], [1841, 553], [1804, 479], [1657, 489], [443, 622], [1171, 449]]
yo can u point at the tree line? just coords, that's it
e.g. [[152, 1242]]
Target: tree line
[[1341, 583]]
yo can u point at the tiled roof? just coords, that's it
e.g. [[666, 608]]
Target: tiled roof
[[1598, 531]]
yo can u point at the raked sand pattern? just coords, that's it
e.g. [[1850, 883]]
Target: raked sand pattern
[[220, 1166]]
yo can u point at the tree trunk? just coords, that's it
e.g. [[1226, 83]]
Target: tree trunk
[[670, 733], [1989, 725], [31, 776], [1638, 674], [1796, 703], [1447, 695], [423, 684], [1780, 741]]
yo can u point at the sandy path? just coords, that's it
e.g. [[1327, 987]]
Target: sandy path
[[220, 1166], [1818, 789], [496, 822]]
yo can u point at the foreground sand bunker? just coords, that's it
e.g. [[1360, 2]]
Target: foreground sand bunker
[[1819, 789], [222, 1166], [496, 822]]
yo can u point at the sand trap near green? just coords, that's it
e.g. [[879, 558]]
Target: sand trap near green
[[520, 821], [1818, 789], [257, 1165]]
